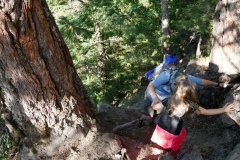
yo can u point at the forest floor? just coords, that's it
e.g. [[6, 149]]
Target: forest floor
[[207, 135]]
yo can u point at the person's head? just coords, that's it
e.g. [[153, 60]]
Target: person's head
[[177, 78], [185, 91], [169, 61]]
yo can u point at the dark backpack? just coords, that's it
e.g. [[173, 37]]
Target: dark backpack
[[171, 124]]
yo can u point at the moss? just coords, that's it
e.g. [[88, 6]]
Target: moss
[[6, 140]]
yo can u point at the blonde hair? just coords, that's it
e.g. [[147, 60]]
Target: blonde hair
[[184, 94]]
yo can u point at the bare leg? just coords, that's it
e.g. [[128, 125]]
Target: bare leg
[[158, 107]]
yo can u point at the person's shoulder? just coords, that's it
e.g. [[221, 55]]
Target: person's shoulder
[[162, 77]]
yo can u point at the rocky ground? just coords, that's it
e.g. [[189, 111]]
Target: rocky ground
[[208, 137]]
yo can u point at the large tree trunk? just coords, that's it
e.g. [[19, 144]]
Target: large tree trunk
[[41, 93], [225, 53]]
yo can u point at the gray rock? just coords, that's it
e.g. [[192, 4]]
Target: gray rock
[[235, 154]]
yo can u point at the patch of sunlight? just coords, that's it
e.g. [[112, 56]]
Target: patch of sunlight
[[145, 3]]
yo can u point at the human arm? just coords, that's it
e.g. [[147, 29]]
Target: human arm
[[158, 84], [153, 94], [207, 82], [156, 102], [225, 109]]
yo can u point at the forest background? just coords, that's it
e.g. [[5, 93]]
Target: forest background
[[113, 43], [43, 102]]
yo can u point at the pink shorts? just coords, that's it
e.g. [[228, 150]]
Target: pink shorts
[[168, 140]]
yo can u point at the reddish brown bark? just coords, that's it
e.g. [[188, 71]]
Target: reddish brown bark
[[39, 84]]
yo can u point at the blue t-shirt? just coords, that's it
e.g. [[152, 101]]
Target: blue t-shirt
[[163, 83]]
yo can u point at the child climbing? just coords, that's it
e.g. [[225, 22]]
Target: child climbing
[[169, 132]]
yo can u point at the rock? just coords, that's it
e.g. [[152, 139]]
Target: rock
[[103, 107], [194, 154], [227, 120], [235, 154]]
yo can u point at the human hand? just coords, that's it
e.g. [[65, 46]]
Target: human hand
[[225, 85], [155, 101], [229, 107]]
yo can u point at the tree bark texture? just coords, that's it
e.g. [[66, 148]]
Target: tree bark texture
[[165, 26], [40, 90], [225, 53]]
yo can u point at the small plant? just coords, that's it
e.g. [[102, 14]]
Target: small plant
[[6, 140]]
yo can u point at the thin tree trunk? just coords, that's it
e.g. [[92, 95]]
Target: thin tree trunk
[[198, 52], [165, 26]]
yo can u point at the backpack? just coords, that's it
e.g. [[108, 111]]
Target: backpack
[[170, 124], [150, 75]]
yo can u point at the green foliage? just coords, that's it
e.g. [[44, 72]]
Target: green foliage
[[113, 43], [6, 141], [190, 22], [56, 2], [108, 61], [133, 98]]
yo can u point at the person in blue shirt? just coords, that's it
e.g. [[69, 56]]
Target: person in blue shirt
[[169, 132], [163, 84]]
